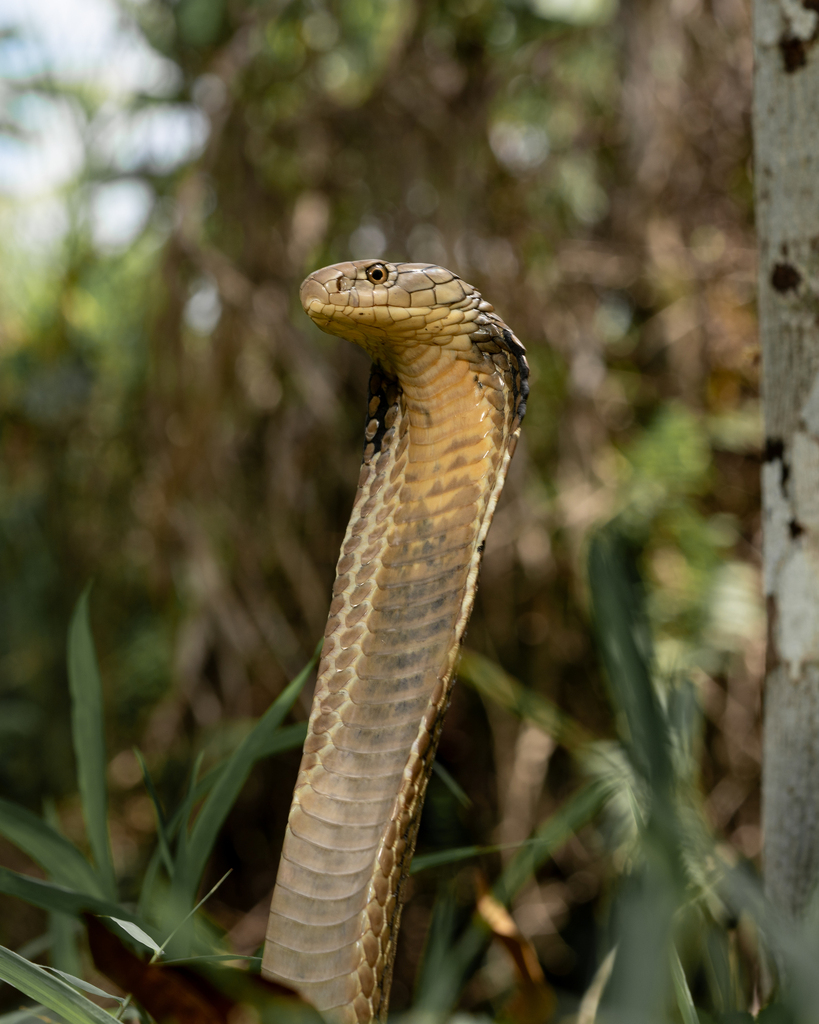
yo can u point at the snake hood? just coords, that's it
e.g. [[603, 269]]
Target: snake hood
[[446, 395]]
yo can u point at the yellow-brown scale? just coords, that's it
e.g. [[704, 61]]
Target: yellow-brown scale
[[443, 418]]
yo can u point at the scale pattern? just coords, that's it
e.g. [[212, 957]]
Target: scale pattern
[[447, 393]]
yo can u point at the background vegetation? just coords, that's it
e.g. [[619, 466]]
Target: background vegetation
[[173, 428]]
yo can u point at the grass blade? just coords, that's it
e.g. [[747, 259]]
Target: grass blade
[[52, 992], [625, 645], [62, 929], [442, 981], [88, 729], [685, 1004], [571, 816], [136, 933], [53, 852], [232, 778], [64, 954], [492, 682], [85, 986], [213, 958], [424, 861], [186, 810], [56, 898], [30, 1015], [149, 881], [161, 833], [444, 976], [180, 901], [442, 934], [451, 784], [589, 1004], [188, 916], [286, 738], [642, 914]]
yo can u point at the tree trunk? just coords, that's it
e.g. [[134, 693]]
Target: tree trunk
[[786, 130]]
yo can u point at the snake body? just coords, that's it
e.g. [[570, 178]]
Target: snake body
[[447, 393]]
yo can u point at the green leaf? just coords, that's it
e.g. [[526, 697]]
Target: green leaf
[[189, 915], [85, 986], [30, 1015], [137, 933], [644, 906], [447, 964], [685, 1004], [52, 992], [285, 738], [161, 833], [152, 871], [424, 861], [493, 683], [441, 981], [229, 784], [180, 867], [57, 898], [625, 645], [214, 958], [64, 955], [88, 730], [288, 737], [149, 882], [54, 853], [439, 973], [63, 930], [590, 1003], [451, 784]]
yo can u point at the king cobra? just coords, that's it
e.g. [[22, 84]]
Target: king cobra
[[447, 392]]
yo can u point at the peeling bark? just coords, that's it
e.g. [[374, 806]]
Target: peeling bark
[[786, 161]]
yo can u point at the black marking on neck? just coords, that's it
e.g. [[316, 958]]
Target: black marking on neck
[[386, 391], [518, 354]]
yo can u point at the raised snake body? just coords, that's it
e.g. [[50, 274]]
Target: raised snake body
[[448, 390]]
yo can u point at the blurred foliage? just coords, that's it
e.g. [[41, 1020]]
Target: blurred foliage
[[673, 889], [172, 427]]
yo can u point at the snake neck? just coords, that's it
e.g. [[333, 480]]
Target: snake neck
[[440, 431]]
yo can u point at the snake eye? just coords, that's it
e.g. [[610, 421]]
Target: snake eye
[[377, 273]]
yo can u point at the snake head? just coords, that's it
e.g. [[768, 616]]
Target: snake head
[[389, 307]]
